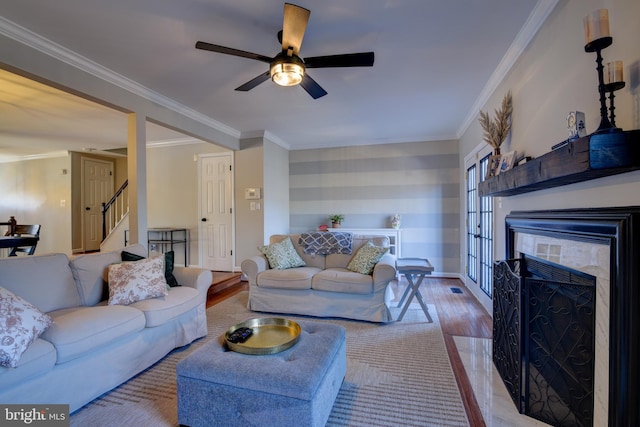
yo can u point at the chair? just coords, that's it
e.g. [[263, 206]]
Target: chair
[[25, 230]]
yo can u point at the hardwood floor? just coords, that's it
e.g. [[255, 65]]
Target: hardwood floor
[[224, 285], [460, 314]]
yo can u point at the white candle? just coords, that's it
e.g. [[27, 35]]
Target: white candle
[[614, 72], [596, 25]]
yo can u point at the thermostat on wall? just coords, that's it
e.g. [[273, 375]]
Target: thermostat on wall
[[251, 193]]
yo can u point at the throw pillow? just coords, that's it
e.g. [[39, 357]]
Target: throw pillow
[[136, 281], [282, 255], [366, 258], [168, 265], [20, 324]]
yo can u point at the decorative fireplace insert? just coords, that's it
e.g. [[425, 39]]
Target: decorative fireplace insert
[[567, 315]]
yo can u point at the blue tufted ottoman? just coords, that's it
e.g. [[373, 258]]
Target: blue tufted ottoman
[[296, 387]]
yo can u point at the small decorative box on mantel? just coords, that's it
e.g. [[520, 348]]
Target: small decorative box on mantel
[[614, 150]]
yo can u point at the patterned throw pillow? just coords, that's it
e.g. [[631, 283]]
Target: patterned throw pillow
[[366, 258], [168, 265], [20, 324], [136, 281], [282, 255]]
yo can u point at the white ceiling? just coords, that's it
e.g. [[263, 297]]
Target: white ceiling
[[435, 62]]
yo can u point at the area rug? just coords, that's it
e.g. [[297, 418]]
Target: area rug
[[397, 375]]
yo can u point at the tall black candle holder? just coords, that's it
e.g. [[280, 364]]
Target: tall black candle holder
[[610, 88], [597, 46]]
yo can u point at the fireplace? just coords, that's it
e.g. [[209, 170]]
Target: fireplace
[[567, 315]]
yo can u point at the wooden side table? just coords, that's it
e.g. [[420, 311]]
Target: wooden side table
[[413, 268]]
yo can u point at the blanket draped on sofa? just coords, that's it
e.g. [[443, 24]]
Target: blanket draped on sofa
[[323, 243]]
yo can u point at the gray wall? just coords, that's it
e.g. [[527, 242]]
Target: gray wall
[[172, 191], [552, 77], [260, 163], [276, 189], [368, 184], [248, 174]]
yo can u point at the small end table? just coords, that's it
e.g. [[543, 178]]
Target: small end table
[[413, 268]]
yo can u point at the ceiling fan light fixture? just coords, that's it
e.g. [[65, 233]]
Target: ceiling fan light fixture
[[287, 71]]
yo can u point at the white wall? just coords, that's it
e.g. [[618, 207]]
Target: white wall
[[552, 77], [34, 191]]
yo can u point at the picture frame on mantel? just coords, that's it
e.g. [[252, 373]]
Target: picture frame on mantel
[[507, 161], [493, 167]]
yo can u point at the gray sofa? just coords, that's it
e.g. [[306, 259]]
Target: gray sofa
[[93, 347], [324, 287]]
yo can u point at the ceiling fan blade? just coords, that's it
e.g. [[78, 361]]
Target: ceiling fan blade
[[254, 82], [234, 52], [364, 59], [294, 26], [312, 88]]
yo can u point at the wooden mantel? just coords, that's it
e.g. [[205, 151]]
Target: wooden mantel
[[590, 157]]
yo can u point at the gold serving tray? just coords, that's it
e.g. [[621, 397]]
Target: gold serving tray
[[271, 335]]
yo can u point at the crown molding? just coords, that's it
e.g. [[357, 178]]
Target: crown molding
[[54, 154], [174, 142], [536, 18], [265, 134], [35, 41], [50, 155], [365, 142], [276, 140]]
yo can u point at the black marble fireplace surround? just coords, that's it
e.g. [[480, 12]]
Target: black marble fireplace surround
[[619, 229]]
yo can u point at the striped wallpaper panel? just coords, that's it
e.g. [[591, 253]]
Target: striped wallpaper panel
[[368, 184]]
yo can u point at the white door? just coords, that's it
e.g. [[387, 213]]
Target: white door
[[97, 188], [216, 213], [479, 225]]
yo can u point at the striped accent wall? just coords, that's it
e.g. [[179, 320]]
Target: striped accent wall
[[368, 184]]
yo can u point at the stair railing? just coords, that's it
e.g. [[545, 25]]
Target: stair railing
[[115, 209]]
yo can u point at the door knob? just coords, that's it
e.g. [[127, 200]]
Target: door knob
[[87, 208], [204, 220]]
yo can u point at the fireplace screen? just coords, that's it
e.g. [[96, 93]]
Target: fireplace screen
[[547, 363]]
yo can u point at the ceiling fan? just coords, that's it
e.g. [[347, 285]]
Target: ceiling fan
[[287, 68]]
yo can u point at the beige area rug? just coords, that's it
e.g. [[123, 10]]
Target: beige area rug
[[397, 375]]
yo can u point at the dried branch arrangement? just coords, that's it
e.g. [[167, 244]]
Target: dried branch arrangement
[[496, 131]]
